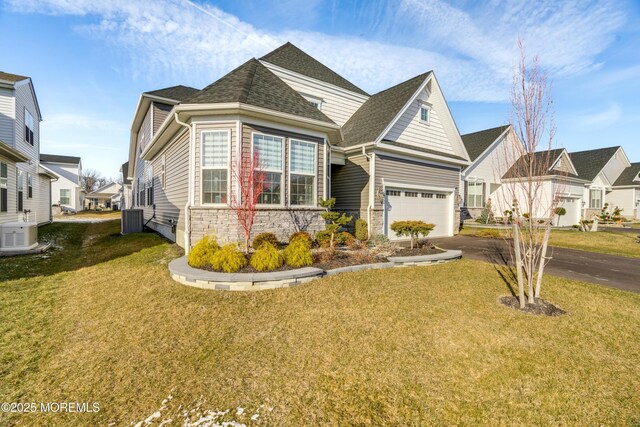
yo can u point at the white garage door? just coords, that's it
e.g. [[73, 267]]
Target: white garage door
[[429, 206], [572, 217]]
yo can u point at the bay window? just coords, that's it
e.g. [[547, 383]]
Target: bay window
[[269, 151], [215, 166], [475, 194], [302, 173]]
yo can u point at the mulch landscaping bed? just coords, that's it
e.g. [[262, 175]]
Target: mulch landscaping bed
[[541, 307], [424, 250], [342, 258]]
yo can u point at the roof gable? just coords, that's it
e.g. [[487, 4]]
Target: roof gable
[[11, 78], [477, 143], [376, 114], [292, 58], [630, 176], [590, 163], [253, 84], [540, 158]]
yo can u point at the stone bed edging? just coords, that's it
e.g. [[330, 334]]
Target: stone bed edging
[[183, 273]]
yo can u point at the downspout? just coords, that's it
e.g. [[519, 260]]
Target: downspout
[[372, 183], [187, 206]]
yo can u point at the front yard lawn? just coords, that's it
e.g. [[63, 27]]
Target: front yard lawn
[[405, 346], [605, 242]]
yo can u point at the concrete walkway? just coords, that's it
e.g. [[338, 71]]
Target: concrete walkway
[[608, 270]]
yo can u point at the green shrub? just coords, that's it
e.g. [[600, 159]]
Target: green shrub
[[323, 238], [298, 254], [302, 235], [228, 259], [413, 229], [335, 220], [380, 239], [346, 238], [201, 254], [267, 258], [362, 232], [264, 237]]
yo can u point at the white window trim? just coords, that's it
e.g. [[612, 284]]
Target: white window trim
[[313, 99], [60, 195], [475, 183], [601, 198], [427, 107], [24, 119], [228, 168], [282, 172], [315, 175]]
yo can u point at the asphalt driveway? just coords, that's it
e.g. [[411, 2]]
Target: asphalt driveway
[[608, 270]]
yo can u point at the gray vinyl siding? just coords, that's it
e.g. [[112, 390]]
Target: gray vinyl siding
[[413, 172], [7, 116], [144, 136], [350, 184], [10, 215], [171, 200], [160, 112]]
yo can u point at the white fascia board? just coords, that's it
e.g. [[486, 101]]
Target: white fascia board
[[421, 154], [406, 106], [321, 85], [547, 178], [399, 184]]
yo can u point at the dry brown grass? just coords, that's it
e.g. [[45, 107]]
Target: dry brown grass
[[406, 346]]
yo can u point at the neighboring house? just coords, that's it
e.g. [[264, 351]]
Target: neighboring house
[[625, 192], [390, 156], [492, 152], [126, 194], [102, 197], [601, 168], [25, 186], [559, 186], [66, 192]]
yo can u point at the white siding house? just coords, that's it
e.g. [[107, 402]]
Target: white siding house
[[66, 191]]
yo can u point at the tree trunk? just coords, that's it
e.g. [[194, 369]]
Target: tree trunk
[[518, 256], [543, 258]]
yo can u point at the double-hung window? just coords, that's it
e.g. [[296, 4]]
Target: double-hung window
[[4, 180], [475, 194], [29, 186], [149, 185], [269, 152], [29, 127], [595, 199], [302, 173], [65, 196], [20, 190], [425, 114], [215, 167]]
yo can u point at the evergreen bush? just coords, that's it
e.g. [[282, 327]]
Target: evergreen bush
[[228, 259], [202, 253], [298, 254], [267, 258]]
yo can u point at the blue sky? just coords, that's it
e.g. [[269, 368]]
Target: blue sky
[[91, 60]]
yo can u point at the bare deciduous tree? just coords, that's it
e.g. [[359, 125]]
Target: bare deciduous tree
[[92, 180], [250, 182], [532, 195]]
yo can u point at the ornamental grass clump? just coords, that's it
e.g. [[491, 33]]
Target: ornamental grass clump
[[298, 254], [264, 238], [201, 254], [228, 259], [267, 258]]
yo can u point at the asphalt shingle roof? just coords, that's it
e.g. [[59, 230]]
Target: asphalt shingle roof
[[290, 57], [477, 142], [54, 158], [628, 175], [125, 172], [13, 78], [589, 163], [376, 113], [539, 159], [252, 83], [177, 93]]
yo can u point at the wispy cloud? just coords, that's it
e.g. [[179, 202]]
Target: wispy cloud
[[471, 51], [57, 122], [601, 118]]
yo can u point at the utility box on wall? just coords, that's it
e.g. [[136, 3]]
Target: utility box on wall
[[132, 221]]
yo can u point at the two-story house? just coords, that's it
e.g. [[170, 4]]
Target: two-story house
[[385, 157], [66, 191], [25, 186]]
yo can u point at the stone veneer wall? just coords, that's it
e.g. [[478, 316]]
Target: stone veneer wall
[[223, 223]]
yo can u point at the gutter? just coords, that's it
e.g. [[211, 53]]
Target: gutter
[[187, 206], [372, 182]]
